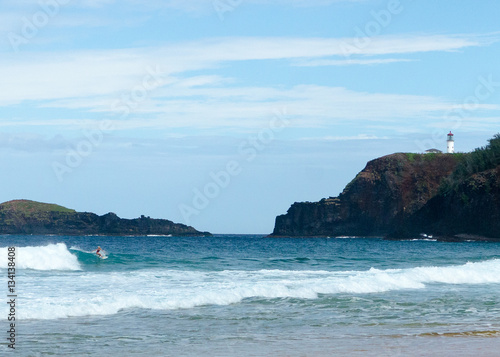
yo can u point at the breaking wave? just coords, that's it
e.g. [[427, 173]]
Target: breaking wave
[[49, 257], [95, 293]]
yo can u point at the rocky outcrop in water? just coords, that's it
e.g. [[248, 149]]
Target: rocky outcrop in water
[[30, 217], [387, 188], [449, 196]]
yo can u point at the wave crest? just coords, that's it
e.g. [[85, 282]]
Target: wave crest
[[49, 257], [163, 289]]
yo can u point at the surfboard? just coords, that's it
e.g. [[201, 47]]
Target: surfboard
[[103, 256]]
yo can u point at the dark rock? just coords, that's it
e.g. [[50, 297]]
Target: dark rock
[[469, 211], [387, 190], [29, 217], [451, 197]]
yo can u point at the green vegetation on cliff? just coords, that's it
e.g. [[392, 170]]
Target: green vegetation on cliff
[[402, 195], [481, 159], [29, 208], [468, 201]]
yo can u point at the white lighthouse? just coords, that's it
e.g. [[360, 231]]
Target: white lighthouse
[[451, 143]]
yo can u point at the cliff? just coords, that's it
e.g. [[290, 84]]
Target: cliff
[[453, 196], [29, 217], [385, 190], [470, 210]]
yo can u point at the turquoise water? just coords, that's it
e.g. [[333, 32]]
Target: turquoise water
[[252, 296]]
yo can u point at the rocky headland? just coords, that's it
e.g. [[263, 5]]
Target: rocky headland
[[30, 217], [451, 197]]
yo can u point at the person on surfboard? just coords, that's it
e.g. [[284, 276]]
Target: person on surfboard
[[98, 250]]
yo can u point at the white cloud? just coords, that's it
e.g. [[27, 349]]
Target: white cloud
[[349, 62], [247, 108], [259, 48], [469, 123], [65, 75], [101, 81], [196, 7], [31, 142], [348, 138], [203, 5]]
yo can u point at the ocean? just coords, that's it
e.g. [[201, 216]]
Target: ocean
[[232, 295]]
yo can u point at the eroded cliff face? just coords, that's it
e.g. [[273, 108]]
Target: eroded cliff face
[[381, 197], [29, 217], [470, 210]]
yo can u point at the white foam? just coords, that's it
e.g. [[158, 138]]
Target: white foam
[[81, 250], [107, 293], [93, 252], [49, 257]]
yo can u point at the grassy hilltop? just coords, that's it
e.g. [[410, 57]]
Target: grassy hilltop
[[30, 217]]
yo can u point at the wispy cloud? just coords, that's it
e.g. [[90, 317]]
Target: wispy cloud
[[188, 6], [201, 5], [242, 109], [192, 94], [60, 75], [349, 62], [31, 142], [259, 48], [347, 138]]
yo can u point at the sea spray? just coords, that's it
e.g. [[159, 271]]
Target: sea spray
[[48, 257], [99, 293]]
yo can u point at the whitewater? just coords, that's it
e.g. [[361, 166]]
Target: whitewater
[[251, 295]]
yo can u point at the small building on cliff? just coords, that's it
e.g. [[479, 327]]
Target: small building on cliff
[[433, 151]]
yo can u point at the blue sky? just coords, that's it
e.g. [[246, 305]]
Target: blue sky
[[222, 113]]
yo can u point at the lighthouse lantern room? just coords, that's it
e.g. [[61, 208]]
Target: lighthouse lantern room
[[451, 143]]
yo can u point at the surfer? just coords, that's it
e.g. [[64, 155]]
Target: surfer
[[98, 250]]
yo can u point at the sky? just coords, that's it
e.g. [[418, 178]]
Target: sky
[[220, 114]]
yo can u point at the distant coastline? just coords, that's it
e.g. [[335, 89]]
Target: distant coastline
[[30, 217]]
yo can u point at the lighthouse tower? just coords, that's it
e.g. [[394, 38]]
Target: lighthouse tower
[[451, 143]]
